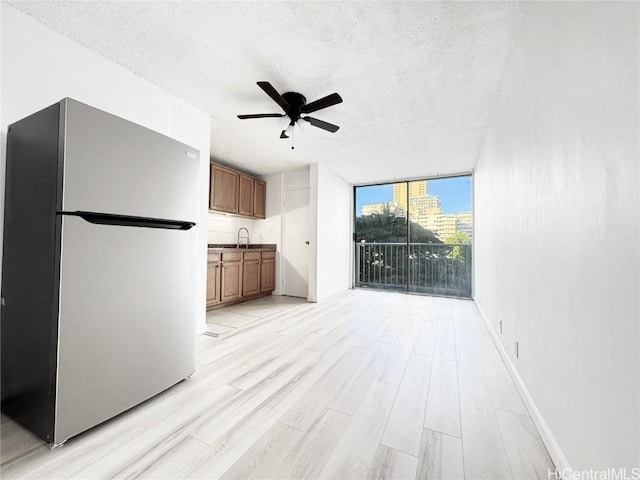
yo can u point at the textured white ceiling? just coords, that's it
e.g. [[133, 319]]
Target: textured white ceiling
[[418, 79]]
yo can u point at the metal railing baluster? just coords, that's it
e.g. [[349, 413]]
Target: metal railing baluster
[[437, 268]]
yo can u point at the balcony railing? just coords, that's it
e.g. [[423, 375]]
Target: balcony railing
[[434, 268]]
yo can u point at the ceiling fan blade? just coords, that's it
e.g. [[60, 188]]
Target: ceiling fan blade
[[262, 115], [321, 103], [273, 93], [330, 127]]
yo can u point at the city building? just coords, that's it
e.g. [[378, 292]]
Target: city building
[[444, 226], [416, 189], [379, 208], [465, 223], [424, 210]]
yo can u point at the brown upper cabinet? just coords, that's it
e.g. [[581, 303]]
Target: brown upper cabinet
[[223, 189], [259, 198], [245, 195], [234, 192]]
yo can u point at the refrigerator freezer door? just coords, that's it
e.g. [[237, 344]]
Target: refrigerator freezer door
[[126, 321], [115, 166]]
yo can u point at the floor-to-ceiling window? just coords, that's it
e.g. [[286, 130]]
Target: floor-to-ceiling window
[[415, 236]]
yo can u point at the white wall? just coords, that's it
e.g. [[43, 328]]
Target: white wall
[[556, 235], [41, 66], [331, 214], [296, 179], [223, 228], [269, 230]]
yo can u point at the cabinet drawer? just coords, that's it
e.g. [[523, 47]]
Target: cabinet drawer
[[213, 256], [251, 256], [266, 255], [231, 256]]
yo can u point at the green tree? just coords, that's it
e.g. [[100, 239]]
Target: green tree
[[387, 227], [459, 252], [459, 237]]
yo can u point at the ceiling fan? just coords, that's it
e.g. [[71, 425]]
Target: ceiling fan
[[295, 105]]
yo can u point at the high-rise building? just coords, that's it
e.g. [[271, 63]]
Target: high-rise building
[[379, 208], [427, 205], [444, 226], [424, 210], [420, 203], [416, 190], [465, 223]]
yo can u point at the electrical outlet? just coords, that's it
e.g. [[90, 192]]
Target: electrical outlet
[[500, 326], [516, 348]]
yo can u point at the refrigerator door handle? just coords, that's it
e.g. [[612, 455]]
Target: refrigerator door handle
[[130, 221]]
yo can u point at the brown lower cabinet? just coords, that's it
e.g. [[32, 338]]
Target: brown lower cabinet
[[268, 272], [250, 273], [213, 278], [230, 284], [235, 276], [213, 284], [230, 276]]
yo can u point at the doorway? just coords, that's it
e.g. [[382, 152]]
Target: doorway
[[295, 243]]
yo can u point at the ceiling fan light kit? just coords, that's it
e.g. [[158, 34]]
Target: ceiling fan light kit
[[295, 105]]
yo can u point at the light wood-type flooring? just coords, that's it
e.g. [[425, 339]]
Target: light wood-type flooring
[[366, 385], [225, 321]]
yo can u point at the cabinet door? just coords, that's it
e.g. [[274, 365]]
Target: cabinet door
[[213, 284], [230, 288], [223, 189], [250, 278], [267, 275], [259, 198], [245, 197]]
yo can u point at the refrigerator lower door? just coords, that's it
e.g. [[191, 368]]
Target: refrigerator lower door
[[126, 320]]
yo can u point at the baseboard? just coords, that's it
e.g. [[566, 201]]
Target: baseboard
[[548, 439]]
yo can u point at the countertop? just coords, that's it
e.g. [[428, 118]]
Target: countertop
[[233, 246]]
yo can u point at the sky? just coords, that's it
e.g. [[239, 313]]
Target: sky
[[454, 194]]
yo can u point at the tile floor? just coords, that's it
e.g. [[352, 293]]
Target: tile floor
[[225, 321], [366, 385]]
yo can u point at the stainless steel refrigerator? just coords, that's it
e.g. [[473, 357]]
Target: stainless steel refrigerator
[[98, 268]]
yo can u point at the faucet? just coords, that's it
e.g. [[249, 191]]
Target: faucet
[[239, 237]]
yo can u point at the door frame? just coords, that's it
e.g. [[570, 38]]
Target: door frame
[[283, 279]]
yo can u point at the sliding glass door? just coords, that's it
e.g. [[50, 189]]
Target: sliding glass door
[[381, 240], [415, 236]]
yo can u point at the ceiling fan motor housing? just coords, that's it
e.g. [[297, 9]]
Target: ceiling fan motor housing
[[296, 101]]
